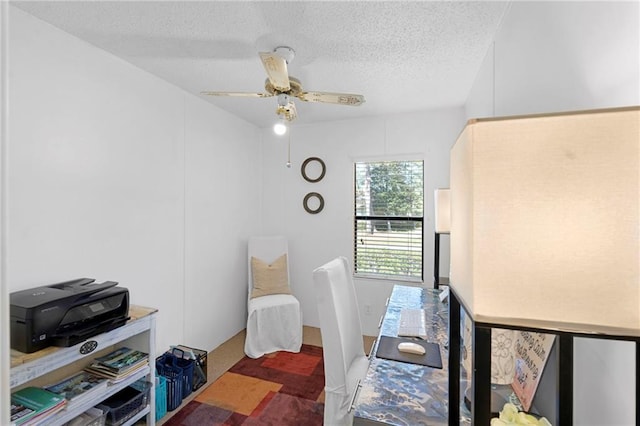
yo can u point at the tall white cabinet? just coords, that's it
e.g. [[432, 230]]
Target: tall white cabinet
[[45, 366]]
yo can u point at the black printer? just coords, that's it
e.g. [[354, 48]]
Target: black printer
[[66, 313]]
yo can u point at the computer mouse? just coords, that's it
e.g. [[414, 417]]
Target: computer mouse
[[411, 348]]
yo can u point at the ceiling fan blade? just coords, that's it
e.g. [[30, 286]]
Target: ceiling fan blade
[[276, 67], [332, 98], [238, 94]]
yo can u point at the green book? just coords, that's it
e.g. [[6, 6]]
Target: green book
[[31, 402]]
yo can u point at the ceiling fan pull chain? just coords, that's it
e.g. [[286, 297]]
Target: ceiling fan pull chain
[[289, 149]]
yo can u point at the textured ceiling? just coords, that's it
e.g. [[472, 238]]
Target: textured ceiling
[[401, 55]]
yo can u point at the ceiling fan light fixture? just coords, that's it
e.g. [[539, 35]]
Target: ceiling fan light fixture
[[280, 128]]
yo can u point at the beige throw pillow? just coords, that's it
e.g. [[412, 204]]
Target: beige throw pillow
[[269, 279]]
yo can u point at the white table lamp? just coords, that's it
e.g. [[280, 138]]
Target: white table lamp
[[545, 220], [442, 200]]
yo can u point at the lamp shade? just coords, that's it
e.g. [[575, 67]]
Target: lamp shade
[[442, 206], [545, 219]]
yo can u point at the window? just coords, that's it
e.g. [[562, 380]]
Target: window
[[388, 219]]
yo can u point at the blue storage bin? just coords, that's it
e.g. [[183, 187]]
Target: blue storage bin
[[161, 396], [187, 375], [166, 367]]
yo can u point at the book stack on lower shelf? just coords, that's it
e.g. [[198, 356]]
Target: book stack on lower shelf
[[33, 406]]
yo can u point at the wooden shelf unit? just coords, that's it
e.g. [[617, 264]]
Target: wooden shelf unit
[[138, 333]]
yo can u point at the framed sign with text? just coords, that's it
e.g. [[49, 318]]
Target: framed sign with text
[[532, 352]]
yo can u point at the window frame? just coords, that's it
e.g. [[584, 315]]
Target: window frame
[[356, 218]]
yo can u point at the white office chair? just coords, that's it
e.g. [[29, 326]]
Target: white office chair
[[344, 360], [274, 321]]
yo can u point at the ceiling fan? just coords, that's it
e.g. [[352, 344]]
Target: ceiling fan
[[280, 84]]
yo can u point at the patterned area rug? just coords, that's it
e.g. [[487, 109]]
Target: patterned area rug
[[277, 389]]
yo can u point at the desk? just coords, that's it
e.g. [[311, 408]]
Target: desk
[[397, 393]]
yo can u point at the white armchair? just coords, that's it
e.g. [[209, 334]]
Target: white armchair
[[345, 362], [274, 321]]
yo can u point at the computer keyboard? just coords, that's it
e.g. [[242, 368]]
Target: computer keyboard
[[413, 323]]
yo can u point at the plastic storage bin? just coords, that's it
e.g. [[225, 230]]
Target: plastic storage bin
[[125, 404], [166, 367], [187, 375], [92, 417], [187, 370], [161, 396]]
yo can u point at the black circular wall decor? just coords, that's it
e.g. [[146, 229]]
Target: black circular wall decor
[[309, 196], [303, 169]]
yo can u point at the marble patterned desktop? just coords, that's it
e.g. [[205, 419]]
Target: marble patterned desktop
[[397, 393]]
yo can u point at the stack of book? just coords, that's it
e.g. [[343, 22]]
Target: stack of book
[[34, 406], [79, 388], [119, 364]]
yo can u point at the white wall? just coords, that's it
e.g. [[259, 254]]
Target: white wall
[[221, 212], [561, 56], [117, 175], [316, 239], [4, 303]]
